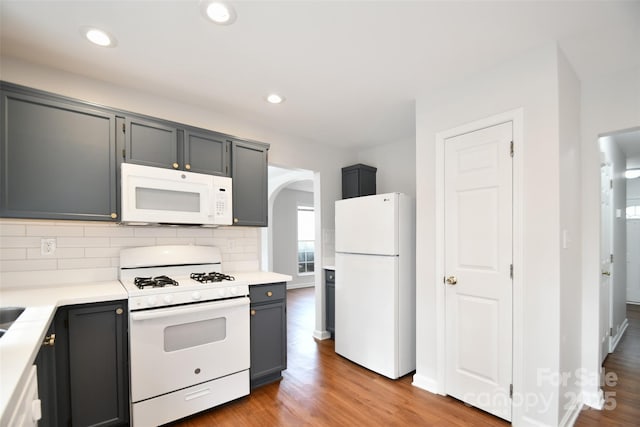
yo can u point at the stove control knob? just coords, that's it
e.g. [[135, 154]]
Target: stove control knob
[[234, 291], [151, 301], [221, 292], [168, 299], [196, 296]]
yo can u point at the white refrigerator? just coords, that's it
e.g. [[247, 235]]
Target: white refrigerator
[[375, 283]]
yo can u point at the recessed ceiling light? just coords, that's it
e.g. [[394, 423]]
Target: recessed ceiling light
[[274, 98], [98, 37], [219, 12]]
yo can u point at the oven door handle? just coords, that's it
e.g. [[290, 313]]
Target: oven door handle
[[188, 309]]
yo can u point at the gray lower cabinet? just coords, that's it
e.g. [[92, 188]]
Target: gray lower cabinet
[[87, 377], [330, 303], [249, 173], [170, 145], [47, 385], [58, 157], [268, 332]]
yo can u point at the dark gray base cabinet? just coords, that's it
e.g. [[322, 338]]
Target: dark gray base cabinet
[[268, 333], [330, 302], [85, 375], [58, 157]]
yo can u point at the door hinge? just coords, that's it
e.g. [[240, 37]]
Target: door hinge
[[511, 390], [511, 149], [611, 258], [511, 271], [124, 153], [611, 184], [123, 128], [610, 332], [444, 279]]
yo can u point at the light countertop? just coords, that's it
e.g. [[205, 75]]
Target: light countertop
[[261, 277], [20, 344], [329, 267]]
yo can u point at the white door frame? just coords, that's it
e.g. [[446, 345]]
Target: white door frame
[[516, 116]]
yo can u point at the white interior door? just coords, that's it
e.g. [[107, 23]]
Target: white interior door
[[606, 234], [478, 260]]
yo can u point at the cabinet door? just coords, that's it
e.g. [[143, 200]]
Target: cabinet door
[[206, 152], [98, 368], [151, 143], [46, 363], [331, 307], [268, 342], [249, 173], [58, 159]]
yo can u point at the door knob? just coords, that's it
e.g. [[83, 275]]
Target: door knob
[[606, 273], [452, 280]]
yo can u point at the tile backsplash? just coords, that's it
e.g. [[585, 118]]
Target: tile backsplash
[[89, 251]]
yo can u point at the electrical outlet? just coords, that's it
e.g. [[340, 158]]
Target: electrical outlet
[[47, 246]]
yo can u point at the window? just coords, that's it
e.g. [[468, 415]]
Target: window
[[306, 239], [633, 212]]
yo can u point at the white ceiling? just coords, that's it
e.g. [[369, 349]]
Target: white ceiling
[[349, 70]]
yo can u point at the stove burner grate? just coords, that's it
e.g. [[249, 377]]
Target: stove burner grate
[[154, 282], [211, 277]]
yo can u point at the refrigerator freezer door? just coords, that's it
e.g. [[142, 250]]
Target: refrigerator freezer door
[[368, 225], [367, 311]]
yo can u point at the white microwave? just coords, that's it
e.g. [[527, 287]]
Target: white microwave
[[152, 195]]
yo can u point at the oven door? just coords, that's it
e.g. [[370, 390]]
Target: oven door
[[177, 347]]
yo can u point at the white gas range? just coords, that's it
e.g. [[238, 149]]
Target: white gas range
[[188, 332]]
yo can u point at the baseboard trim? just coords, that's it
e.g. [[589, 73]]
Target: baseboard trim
[[616, 340], [425, 383], [593, 399], [571, 416], [321, 335]]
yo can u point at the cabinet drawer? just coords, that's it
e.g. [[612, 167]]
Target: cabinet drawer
[[267, 293], [330, 276]]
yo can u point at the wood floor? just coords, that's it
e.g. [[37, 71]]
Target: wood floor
[[623, 368], [320, 388]]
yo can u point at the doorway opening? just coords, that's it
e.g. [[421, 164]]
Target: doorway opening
[[620, 236]]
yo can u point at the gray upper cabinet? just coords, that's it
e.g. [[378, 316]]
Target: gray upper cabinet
[[57, 157], [150, 143], [169, 145], [206, 152], [249, 173]]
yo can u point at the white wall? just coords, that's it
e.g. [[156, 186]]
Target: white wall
[[571, 248], [396, 166], [529, 82], [609, 103], [285, 234]]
